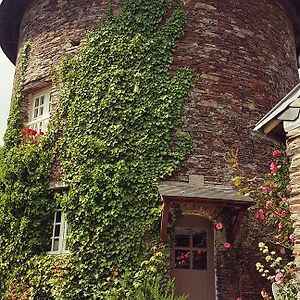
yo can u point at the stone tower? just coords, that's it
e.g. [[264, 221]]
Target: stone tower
[[244, 54]]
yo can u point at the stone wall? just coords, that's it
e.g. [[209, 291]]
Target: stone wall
[[293, 152], [244, 56]]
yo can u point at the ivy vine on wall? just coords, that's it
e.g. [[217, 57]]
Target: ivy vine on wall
[[114, 134]]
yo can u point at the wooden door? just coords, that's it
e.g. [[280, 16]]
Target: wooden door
[[193, 258]]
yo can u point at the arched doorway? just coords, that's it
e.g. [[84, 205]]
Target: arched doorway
[[193, 258]]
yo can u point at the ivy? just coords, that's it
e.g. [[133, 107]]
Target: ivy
[[115, 135]]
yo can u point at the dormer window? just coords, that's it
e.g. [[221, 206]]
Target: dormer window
[[40, 110]]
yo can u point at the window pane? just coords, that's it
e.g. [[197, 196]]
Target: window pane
[[36, 102], [182, 259], [41, 111], [200, 260], [57, 230], [58, 216], [42, 100], [199, 238], [182, 237], [36, 113], [55, 245]]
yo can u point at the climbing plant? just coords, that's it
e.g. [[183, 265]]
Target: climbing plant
[[271, 208], [115, 134]]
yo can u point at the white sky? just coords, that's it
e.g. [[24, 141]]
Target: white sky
[[7, 70]]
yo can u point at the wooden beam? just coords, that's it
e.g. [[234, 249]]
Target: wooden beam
[[164, 220], [215, 202], [232, 232], [271, 125]]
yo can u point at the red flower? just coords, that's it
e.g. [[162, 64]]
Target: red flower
[[280, 225], [227, 245], [41, 133], [219, 226], [283, 213], [273, 167], [292, 238], [267, 188], [260, 214], [276, 152], [24, 131]]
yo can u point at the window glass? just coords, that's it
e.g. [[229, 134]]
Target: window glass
[[182, 237], [182, 259], [190, 248], [40, 111], [200, 259], [199, 237], [59, 234]]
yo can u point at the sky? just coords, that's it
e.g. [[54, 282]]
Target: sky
[[7, 70]]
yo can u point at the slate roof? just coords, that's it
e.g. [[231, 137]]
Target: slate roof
[[11, 13], [212, 192], [283, 117]]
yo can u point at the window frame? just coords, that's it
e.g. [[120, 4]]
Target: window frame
[[63, 234], [40, 122]]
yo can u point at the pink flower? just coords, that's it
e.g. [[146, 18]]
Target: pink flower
[[283, 213], [260, 214], [279, 278], [219, 226], [267, 188], [280, 225], [292, 238], [239, 298], [273, 167], [227, 245], [276, 152]]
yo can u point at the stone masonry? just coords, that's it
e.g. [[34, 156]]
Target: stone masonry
[[244, 56]]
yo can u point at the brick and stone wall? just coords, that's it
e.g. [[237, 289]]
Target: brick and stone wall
[[243, 53]]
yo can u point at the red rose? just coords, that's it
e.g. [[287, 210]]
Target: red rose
[[276, 152], [227, 245], [273, 167], [219, 226]]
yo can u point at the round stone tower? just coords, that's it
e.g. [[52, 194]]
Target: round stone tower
[[244, 55]]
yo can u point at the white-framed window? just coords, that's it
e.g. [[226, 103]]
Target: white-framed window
[[59, 233], [40, 109]]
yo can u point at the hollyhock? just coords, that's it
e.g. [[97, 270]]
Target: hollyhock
[[219, 226], [276, 152], [273, 168], [279, 278], [267, 188], [292, 238], [227, 245], [239, 298], [260, 214], [280, 225], [283, 213]]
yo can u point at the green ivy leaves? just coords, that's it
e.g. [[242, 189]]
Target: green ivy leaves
[[116, 126]]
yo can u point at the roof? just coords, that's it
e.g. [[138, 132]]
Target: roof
[[214, 192], [11, 13], [282, 118]]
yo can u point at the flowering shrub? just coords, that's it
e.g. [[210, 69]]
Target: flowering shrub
[[272, 208], [30, 136]]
